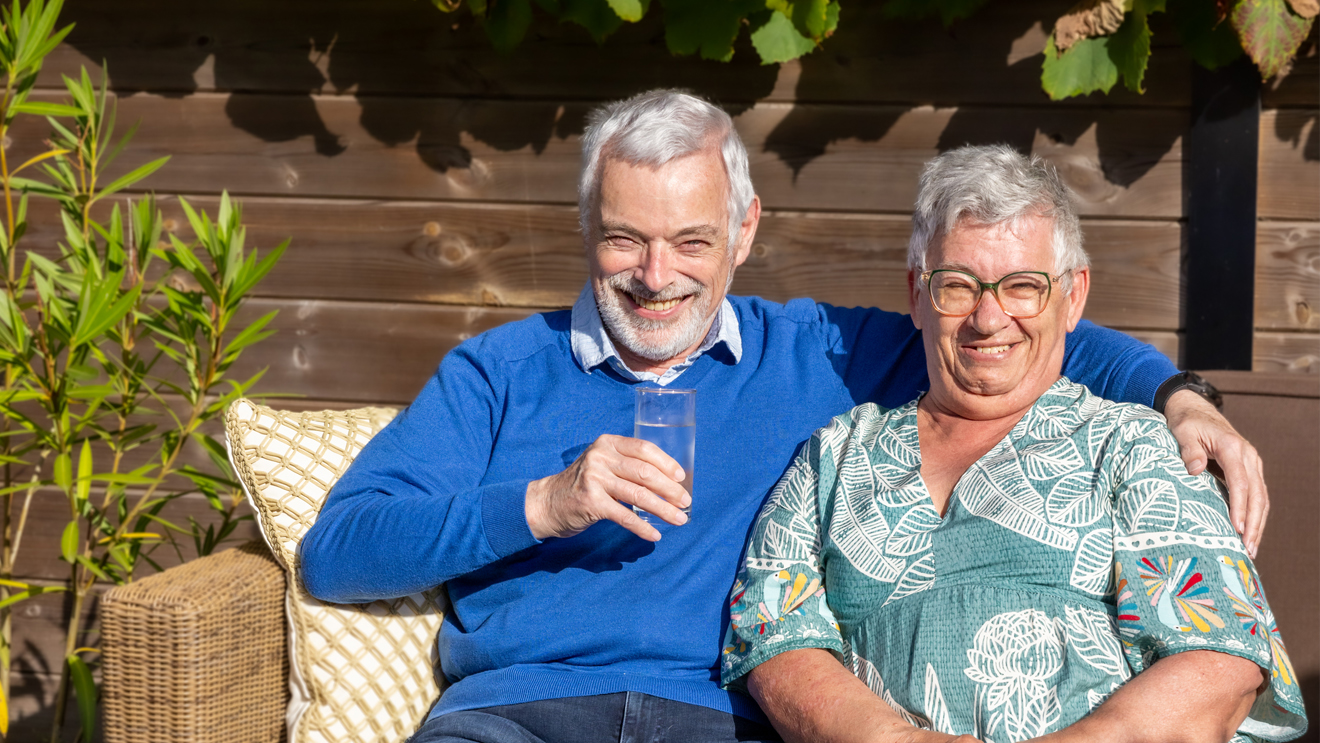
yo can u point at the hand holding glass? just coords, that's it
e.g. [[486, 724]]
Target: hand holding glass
[[668, 419]]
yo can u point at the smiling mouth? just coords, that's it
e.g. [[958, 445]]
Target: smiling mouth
[[995, 349], [656, 305]]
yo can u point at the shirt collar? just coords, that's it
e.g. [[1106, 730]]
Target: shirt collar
[[592, 346]]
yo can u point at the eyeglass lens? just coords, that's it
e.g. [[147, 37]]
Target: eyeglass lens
[[1019, 294]]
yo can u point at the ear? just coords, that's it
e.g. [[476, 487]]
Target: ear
[[914, 291], [747, 233], [1081, 286]]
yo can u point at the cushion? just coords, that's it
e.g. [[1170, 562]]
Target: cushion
[[365, 672]]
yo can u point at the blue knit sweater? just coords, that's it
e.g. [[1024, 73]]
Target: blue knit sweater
[[438, 496]]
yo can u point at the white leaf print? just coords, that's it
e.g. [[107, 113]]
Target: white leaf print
[[859, 530], [1051, 460], [912, 533], [1098, 434], [1144, 457], [1073, 502], [870, 675], [1041, 715], [902, 445], [935, 706], [797, 492], [1204, 519], [919, 576], [1000, 493], [899, 488], [1149, 505], [1204, 482], [781, 543], [1094, 637], [855, 472], [1094, 563], [1054, 422], [834, 437]]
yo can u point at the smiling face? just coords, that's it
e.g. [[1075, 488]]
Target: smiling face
[[659, 256], [988, 365]]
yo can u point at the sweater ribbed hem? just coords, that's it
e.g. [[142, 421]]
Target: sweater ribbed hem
[[520, 684], [504, 518]]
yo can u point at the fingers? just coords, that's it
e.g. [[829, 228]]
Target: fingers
[[628, 519], [1248, 497], [651, 454], [1194, 457]]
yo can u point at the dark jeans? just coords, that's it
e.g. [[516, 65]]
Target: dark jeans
[[625, 717]]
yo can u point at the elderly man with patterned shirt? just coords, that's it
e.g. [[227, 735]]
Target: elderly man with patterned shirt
[[512, 477]]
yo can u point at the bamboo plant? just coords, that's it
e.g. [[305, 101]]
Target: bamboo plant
[[115, 350]]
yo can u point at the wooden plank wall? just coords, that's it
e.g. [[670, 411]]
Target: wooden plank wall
[[427, 182]]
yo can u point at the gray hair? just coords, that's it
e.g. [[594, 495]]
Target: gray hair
[[653, 128], [992, 184]]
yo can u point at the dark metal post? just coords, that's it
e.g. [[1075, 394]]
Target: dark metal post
[[1220, 182]]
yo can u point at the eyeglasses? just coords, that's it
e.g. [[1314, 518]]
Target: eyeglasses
[[955, 293]]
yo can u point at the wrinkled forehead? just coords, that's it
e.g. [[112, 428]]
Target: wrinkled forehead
[[1021, 243]]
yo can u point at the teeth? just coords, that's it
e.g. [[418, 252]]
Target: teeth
[[994, 349], [656, 306]]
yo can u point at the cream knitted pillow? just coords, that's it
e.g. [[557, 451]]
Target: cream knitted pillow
[[357, 672]]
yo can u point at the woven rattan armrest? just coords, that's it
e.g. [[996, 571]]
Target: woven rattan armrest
[[198, 652]]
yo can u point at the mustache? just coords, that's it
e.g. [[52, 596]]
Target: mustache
[[682, 287]]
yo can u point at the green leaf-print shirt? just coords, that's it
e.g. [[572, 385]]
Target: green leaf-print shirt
[[1072, 555]]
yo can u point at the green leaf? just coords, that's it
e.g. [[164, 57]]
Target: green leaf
[[778, 40], [597, 16], [69, 542], [84, 689], [84, 472], [1270, 33], [507, 22], [131, 177], [39, 108], [1129, 48], [63, 471], [706, 27], [1085, 68], [94, 569], [948, 10], [630, 10]]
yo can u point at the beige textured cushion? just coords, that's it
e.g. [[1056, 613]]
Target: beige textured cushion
[[358, 672]]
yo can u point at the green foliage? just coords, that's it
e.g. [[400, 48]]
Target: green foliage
[[1214, 33], [115, 349], [1270, 33]]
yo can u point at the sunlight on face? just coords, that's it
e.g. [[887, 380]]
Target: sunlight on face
[[660, 260], [987, 362]]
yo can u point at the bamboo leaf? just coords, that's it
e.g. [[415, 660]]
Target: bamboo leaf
[[69, 542], [63, 471], [94, 568], [85, 690], [40, 108], [84, 472], [133, 176]]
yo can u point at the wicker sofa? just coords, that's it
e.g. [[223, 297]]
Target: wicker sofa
[[200, 652]]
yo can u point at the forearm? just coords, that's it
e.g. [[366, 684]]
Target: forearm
[[811, 698], [1196, 696], [1114, 365], [372, 545]]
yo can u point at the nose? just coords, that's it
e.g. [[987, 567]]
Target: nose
[[657, 267], [988, 317]]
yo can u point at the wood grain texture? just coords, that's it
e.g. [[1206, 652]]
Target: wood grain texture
[[1289, 166], [359, 352], [1286, 352], [1298, 86], [401, 47], [532, 256], [1288, 276], [803, 157]]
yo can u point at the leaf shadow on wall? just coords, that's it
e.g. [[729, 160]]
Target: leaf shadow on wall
[[420, 77], [987, 67]]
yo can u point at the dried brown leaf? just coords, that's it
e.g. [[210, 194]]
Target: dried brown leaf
[[1305, 8], [1086, 19]]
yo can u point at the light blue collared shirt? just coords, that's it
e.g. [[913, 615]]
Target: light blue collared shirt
[[592, 346]]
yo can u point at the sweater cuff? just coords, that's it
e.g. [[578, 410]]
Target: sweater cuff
[[504, 518]]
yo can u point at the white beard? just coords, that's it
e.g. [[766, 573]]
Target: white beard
[[653, 340]]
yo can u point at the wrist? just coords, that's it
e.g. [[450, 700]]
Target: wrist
[[1191, 382]]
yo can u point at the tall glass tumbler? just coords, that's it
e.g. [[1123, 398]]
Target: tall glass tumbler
[[668, 419]]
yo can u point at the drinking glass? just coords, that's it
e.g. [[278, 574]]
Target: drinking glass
[[668, 419]]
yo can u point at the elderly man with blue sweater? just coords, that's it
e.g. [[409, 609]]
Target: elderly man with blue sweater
[[512, 477]]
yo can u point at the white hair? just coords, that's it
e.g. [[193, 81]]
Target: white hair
[[653, 128], [988, 185]]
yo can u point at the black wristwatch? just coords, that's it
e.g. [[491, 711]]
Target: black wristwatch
[[1187, 381]]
